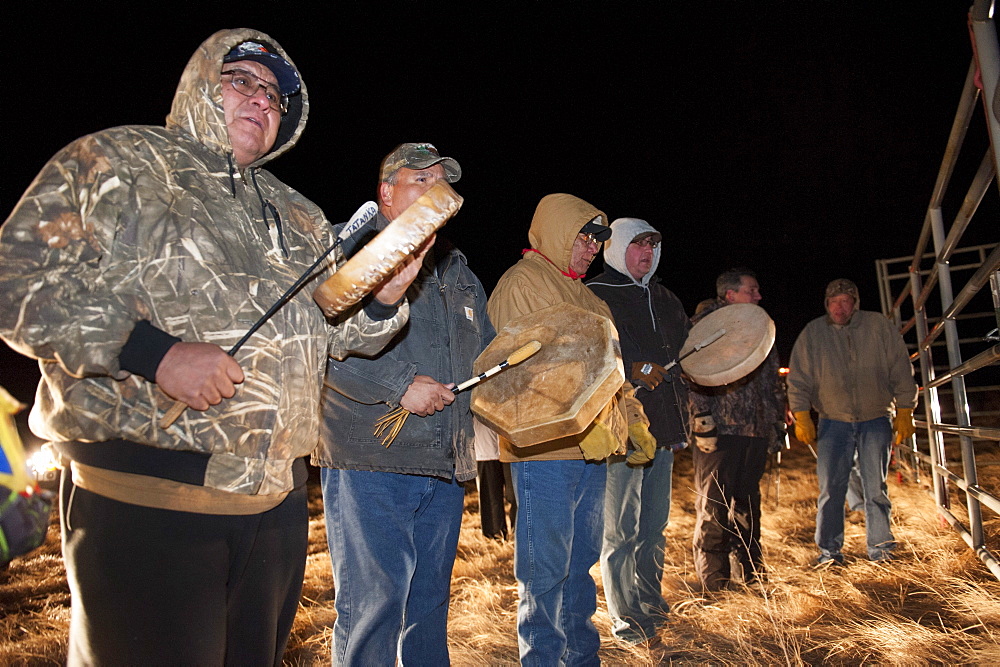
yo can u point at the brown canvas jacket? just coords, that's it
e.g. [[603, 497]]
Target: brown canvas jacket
[[534, 283]]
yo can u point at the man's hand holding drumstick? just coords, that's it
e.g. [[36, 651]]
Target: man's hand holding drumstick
[[425, 396], [201, 375], [198, 374]]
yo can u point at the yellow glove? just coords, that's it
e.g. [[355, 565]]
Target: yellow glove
[[805, 430], [598, 442], [903, 425], [645, 444]]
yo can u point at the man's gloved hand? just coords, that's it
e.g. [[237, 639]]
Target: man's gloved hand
[[598, 442], [645, 444], [805, 430], [647, 374], [706, 436], [903, 425]]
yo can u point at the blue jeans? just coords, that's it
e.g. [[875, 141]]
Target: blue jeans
[[560, 518], [855, 492], [636, 510], [392, 541], [838, 443]]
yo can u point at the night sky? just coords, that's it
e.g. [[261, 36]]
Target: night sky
[[800, 141]]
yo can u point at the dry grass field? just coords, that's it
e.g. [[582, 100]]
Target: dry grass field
[[936, 604]]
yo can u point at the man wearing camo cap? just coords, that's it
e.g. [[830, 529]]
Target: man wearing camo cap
[[394, 509], [852, 367]]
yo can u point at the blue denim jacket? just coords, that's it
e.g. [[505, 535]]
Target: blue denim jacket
[[447, 330]]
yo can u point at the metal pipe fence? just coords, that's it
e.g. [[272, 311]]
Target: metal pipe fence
[[960, 369]]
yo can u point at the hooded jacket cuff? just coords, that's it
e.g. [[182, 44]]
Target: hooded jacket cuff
[[378, 311], [144, 349]]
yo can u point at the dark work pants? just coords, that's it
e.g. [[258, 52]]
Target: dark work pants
[[727, 488], [494, 488], [152, 586]]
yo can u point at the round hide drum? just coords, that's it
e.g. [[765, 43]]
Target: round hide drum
[[379, 257], [560, 390], [749, 335]]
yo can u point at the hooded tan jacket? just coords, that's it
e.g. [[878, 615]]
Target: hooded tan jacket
[[151, 223], [535, 283]]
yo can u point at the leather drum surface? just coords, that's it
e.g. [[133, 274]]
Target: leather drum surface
[[746, 343], [379, 257], [560, 390]]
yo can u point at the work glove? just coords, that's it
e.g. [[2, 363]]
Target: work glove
[[598, 442], [645, 444], [805, 430], [647, 374], [903, 425], [706, 436]]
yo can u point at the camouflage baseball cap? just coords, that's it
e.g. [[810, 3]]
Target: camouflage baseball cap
[[288, 78], [843, 286], [418, 156]]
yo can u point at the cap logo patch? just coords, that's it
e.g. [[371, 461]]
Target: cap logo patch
[[252, 47]]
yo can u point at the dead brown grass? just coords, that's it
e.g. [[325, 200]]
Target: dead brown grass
[[936, 603]]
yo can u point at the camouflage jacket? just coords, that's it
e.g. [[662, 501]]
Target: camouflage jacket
[[751, 406], [149, 223]]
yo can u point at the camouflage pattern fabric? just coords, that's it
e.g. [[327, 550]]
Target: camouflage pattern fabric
[[154, 223]]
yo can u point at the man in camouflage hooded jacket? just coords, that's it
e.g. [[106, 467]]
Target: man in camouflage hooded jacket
[[135, 259]]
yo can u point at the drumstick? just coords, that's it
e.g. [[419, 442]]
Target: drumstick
[[706, 342], [391, 423], [360, 218], [519, 355]]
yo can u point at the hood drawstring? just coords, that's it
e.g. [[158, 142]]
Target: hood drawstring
[[569, 274], [649, 301], [634, 283], [265, 206], [232, 179]]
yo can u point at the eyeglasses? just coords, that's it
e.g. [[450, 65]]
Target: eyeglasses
[[587, 239], [647, 242], [246, 83]]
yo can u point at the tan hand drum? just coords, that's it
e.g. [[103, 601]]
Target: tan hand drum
[[749, 335], [561, 389], [379, 257]]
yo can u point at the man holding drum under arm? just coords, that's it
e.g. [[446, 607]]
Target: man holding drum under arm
[[394, 506]]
